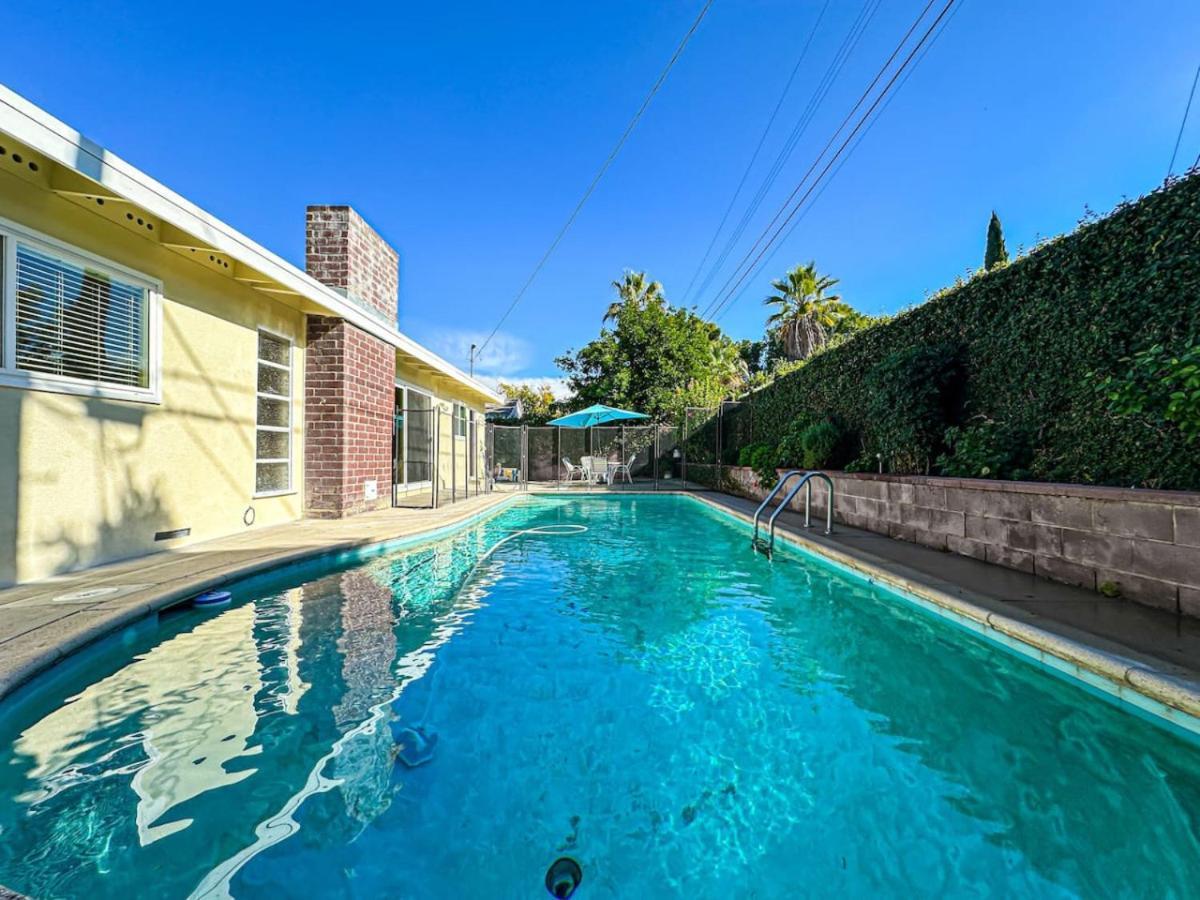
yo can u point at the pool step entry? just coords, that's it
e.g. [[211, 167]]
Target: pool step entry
[[765, 544]]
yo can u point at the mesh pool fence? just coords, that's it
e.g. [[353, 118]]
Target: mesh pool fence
[[690, 455]]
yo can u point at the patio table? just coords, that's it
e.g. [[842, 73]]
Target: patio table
[[596, 467]]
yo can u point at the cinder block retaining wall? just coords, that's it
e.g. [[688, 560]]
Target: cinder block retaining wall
[[1144, 544]]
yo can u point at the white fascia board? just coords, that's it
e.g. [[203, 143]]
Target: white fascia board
[[56, 140]]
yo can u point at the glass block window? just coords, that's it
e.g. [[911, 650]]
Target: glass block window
[[273, 428]]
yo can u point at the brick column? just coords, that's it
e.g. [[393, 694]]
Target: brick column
[[349, 375]]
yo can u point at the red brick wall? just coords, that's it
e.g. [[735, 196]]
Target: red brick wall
[[348, 403], [346, 253]]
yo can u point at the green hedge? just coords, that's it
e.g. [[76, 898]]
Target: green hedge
[[1024, 348]]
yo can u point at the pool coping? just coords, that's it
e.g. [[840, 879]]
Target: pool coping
[[56, 641], [1128, 676]]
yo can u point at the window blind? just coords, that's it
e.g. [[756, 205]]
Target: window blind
[[79, 321]]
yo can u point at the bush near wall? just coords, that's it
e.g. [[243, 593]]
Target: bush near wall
[[1016, 358]]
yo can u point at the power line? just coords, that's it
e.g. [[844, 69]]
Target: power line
[[841, 164], [1187, 109], [824, 86], [758, 149], [711, 308], [726, 296], [600, 174]]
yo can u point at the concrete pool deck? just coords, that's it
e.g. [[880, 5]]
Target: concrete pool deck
[[41, 624], [1140, 650]]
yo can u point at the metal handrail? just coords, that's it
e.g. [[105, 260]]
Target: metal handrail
[[775, 490], [806, 480]]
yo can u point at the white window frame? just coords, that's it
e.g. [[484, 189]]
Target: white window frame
[[454, 420], [412, 389], [10, 376], [291, 402]]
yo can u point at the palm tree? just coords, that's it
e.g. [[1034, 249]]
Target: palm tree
[[728, 366], [633, 290], [803, 311]]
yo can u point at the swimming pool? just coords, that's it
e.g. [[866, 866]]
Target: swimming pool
[[646, 696]]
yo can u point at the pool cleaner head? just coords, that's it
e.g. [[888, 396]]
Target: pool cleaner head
[[414, 746], [563, 877], [211, 598]]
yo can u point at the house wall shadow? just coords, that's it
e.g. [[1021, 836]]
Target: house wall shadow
[[10, 465]]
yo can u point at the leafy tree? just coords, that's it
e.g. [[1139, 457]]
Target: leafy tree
[[537, 401], [633, 289], [656, 358], [803, 311], [754, 355], [996, 253]]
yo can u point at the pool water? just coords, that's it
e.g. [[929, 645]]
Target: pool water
[[648, 697]]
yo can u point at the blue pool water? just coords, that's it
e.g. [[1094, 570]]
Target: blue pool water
[[648, 697]]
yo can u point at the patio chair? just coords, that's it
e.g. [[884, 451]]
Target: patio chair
[[616, 470], [594, 468], [573, 470]]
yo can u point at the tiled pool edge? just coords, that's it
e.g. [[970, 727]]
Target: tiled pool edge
[[19, 673], [1127, 680]]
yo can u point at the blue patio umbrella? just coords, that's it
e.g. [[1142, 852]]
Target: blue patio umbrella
[[596, 414]]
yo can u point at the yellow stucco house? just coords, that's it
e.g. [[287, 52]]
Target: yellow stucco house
[[164, 379]]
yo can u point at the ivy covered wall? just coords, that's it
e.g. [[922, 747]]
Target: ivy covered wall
[[1014, 362]]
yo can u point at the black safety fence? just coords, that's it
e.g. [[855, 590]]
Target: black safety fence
[[614, 457], [440, 458], [437, 458]]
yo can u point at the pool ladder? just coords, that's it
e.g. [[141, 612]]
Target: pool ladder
[[766, 545]]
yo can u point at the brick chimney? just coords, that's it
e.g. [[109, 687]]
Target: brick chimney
[[344, 252], [349, 391]]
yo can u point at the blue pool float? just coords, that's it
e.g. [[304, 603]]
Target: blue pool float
[[212, 598]]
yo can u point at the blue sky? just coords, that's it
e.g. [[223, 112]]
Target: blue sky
[[466, 132]]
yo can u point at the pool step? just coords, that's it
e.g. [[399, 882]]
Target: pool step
[[761, 545]]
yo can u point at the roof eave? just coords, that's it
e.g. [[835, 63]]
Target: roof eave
[[67, 147]]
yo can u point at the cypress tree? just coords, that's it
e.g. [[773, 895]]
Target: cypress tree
[[996, 252]]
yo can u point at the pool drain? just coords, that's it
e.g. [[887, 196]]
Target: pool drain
[[563, 877]]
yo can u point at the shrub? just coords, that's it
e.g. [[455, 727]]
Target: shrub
[[1160, 386], [762, 460], [914, 394], [791, 448], [820, 441], [986, 449], [745, 456]]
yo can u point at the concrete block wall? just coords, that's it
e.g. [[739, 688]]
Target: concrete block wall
[[1143, 544]]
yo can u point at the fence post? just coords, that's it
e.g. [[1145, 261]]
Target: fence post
[[656, 456], [720, 439], [525, 457], [683, 452], [436, 456]]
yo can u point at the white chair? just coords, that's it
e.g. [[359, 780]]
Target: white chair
[[622, 468], [589, 468], [573, 470]]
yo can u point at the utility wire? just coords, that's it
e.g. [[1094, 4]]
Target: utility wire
[[841, 164], [824, 86], [600, 174], [1187, 109], [713, 304], [728, 292], [758, 149]]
